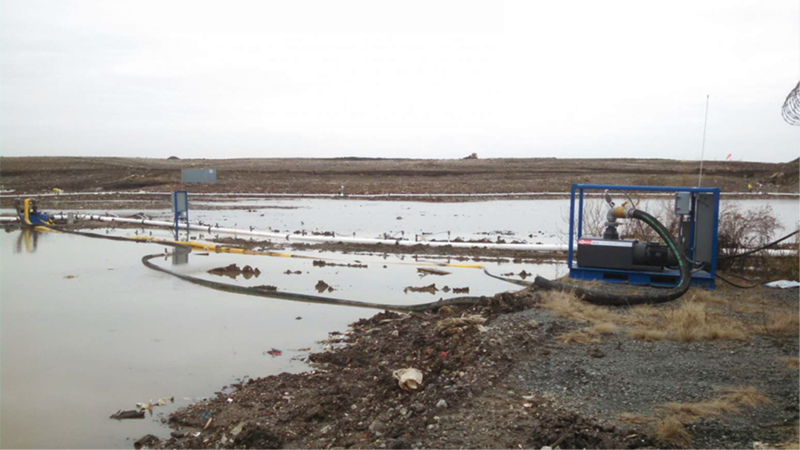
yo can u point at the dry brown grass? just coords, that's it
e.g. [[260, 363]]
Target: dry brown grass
[[635, 419], [671, 431], [642, 315], [568, 306], [578, 337], [708, 297], [779, 446], [791, 362], [691, 321], [748, 396], [589, 335], [730, 401], [670, 419], [647, 334], [782, 323], [689, 412]]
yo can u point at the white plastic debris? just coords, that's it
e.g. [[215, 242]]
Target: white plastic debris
[[408, 379], [783, 284]]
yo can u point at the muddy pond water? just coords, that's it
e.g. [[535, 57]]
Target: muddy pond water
[[86, 329]]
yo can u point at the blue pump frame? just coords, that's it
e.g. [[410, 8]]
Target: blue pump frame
[[705, 278]]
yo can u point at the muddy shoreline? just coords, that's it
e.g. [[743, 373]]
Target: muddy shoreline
[[511, 380]]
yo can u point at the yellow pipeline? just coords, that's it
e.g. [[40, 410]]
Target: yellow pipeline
[[241, 251], [205, 246]]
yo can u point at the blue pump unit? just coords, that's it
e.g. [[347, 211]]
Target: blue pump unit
[[29, 214], [611, 259]]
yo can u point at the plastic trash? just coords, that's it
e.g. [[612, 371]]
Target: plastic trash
[[783, 284], [142, 406], [408, 379]]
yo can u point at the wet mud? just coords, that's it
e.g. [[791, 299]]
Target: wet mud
[[353, 400]]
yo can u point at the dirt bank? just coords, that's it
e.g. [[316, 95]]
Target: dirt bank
[[510, 373], [377, 176]]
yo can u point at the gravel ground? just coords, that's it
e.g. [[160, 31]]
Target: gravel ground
[[512, 384], [625, 375]]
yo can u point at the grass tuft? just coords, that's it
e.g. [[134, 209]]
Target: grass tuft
[[692, 322], [709, 297], [783, 323], [671, 418], [749, 396], [578, 337], [791, 362], [568, 306], [589, 335], [647, 334], [671, 431]]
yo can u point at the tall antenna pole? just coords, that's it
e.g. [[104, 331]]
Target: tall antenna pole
[[703, 151]]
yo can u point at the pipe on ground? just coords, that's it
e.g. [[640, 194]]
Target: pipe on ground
[[345, 240]]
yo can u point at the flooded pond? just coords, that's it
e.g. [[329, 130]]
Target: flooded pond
[[86, 329]]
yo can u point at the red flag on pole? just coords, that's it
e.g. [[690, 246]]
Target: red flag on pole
[[728, 157]]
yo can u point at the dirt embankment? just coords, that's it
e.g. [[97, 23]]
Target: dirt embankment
[[527, 370], [353, 400], [379, 176]]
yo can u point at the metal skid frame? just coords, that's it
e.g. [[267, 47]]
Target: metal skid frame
[[664, 278]]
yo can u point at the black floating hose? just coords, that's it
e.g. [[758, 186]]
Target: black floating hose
[[232, 288], [465, 300], [611, 299]]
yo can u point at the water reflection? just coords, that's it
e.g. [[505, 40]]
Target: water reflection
[[27, 241], [180, 256]]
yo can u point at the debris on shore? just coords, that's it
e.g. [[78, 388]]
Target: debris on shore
[[386, 390]]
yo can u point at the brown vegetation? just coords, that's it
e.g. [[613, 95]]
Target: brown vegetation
[[782, 323], [791, 362], [570, 307], [672, 431], [590, 335], [670, 419], [688, 321]]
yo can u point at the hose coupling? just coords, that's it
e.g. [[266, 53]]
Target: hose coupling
[[623, 211]]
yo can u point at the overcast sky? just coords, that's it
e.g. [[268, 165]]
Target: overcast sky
[[428, 78]]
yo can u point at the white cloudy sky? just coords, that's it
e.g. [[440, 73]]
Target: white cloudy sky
[[411, 78]]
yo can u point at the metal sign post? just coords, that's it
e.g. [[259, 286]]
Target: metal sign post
[[180, 206]]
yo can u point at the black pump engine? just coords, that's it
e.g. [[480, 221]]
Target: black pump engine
[[624, 254]]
